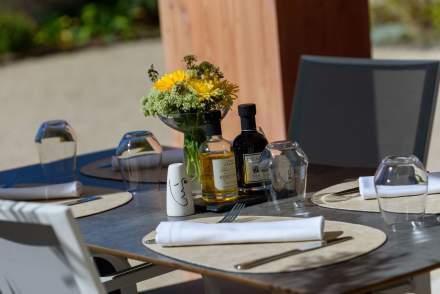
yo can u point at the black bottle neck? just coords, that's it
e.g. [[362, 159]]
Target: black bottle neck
[[248, 123], [214, 129]]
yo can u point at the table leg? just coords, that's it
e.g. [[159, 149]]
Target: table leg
[[211, 285], [420, 284], [220, 286], [109, 264], [118, 276]]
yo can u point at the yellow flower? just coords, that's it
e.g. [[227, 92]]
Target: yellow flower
[[167, 82], [229, 88], [204, 88]]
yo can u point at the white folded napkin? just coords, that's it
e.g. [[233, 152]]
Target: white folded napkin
[[184, 233], [368, 190], [65, 190], [149, 161]]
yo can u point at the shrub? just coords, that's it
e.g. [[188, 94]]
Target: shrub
[[90, 21], [409, 21], [16, 32]]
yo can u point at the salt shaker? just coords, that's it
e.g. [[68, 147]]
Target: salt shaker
[[179, 193]]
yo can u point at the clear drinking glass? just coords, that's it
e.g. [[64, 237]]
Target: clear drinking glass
[[56, 145], [284, 166], [140, 159], [402, 185]]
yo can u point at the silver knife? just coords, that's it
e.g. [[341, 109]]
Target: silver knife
[[82, 200], [305, 248], [347, 191]]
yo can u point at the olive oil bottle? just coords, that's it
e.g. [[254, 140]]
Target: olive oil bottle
[[217, 164]]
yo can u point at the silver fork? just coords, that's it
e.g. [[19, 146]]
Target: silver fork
[[229, 217], [232, 214]]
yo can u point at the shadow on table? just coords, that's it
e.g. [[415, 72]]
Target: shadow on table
[[33, 174], [352, 275], [323, 176]]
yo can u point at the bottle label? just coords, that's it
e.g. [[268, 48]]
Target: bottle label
[[252, 171], [225, 175]]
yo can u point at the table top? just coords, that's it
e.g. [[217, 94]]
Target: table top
[[120, 231]]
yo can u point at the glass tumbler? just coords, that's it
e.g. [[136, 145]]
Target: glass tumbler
[[402, 185], [284, 166], [56, 145], [140, 159]]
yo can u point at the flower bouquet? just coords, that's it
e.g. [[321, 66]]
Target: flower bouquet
[[181, 98]]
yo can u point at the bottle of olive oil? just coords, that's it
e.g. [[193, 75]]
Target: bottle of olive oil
[[217, 163]]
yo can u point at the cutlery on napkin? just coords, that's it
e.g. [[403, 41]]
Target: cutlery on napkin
[[186, 233], [150, 161], [368, 190], [57, 191]]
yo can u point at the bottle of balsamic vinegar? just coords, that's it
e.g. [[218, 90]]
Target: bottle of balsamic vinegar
[[247, 147]]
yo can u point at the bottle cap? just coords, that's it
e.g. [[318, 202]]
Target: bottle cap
[[247, 109], [247, 113], [213, 116], [212, 121]]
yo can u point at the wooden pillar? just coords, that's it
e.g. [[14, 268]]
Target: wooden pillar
[[258, 43]]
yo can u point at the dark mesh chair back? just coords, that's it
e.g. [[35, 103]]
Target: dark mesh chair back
[[352, 112]]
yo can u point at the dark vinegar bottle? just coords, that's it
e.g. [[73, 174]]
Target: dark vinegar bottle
[[247, 147]]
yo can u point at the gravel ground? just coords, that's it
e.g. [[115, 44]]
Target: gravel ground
[[96, 90]]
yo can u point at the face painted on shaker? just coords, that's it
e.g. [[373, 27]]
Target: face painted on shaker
[[177, 189]]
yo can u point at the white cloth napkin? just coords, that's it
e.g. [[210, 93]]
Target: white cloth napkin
[[368, 190], [186, 233], [65, 190], [147, 161]]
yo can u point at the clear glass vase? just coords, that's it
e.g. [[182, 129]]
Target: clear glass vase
[[193, 129]]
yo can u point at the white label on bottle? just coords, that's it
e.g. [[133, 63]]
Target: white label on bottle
[[252, 172], [225, 176]]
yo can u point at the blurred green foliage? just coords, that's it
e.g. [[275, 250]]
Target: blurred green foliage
[[93, 22], [405, 21], [16, 31]]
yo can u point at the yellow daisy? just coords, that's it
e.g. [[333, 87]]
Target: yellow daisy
[[204, 88], [230, 88], [167, 82]]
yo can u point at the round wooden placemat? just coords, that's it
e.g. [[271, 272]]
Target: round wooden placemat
[[224, 257], [354, 201], [105, 203]]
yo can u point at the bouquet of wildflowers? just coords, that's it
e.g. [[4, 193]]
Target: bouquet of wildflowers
[[199, 88], [183, 96]]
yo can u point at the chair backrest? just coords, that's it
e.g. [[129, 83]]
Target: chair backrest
[[42, 251], [352, 112]]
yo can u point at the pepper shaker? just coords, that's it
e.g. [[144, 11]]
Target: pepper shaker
[[179, 193]]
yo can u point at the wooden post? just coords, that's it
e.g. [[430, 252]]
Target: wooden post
[[258, 43]]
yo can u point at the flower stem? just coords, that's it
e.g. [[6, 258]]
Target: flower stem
[[192, 142]]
